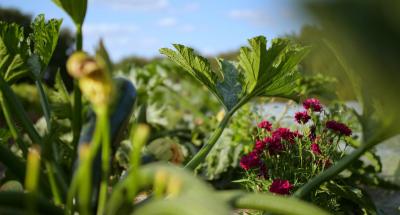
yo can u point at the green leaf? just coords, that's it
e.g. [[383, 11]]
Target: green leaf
[[355, 195], [253, 61], [12, 185], [5, 135], [196, 65], [44, 37], [13, 52], [229, 88], [103, 58], [280, 77], [76, 9], [60, 100], [262, 72]]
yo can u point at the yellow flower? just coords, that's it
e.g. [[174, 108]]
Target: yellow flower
[[94, 82]]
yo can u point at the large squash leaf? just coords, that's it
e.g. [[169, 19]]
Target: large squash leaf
[[258, 72]]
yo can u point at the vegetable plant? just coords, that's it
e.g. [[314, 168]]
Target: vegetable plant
[[258, 72]]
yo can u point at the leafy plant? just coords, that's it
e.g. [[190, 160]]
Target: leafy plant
[[258, 72]]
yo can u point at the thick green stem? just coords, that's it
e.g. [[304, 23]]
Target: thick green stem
[[18, 111], [83, 176], [13, 129], [79, 39], [202, 154], [332, 171], [105, 159], [270, 203], [77, 109], [44, 102], [53, 184]]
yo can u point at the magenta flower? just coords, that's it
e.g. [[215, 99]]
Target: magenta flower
[[250, 160], [302, 117], [259, 146], [265, 125], [283, 133], [315, 149], [338, 127], [279, 186], [312, 104], [286, 134], [275, 145]]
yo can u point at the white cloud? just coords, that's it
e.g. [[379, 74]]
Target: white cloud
[[187, 28], [146, 5], [167, 22], [191, 7], [107, 29], [256, 17]]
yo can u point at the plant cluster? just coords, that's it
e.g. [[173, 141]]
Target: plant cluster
[[283, 159]]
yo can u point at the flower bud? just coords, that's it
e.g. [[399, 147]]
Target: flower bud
[[97, 88], [94, 82], [76, 62]]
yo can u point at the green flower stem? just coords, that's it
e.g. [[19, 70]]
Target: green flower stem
[[77, 108], [82, 178], [126, 189], [53, 184], [332, 171], [32, 178], [79, 37], [7, 115], [270, 203], [105, 159], [44, 102]]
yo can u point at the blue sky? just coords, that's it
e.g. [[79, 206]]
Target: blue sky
[[141, 27]]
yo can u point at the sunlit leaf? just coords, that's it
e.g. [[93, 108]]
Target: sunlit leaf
[[229, 88], [261, 71], [44, 37], [76, 9], [13, 52]]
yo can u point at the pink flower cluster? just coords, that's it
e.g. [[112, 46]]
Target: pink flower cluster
[[315, 149], [265, 125], [280, 186], [302, 117], [312, 104], [250, 160], [274, 142], [338, 127]]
